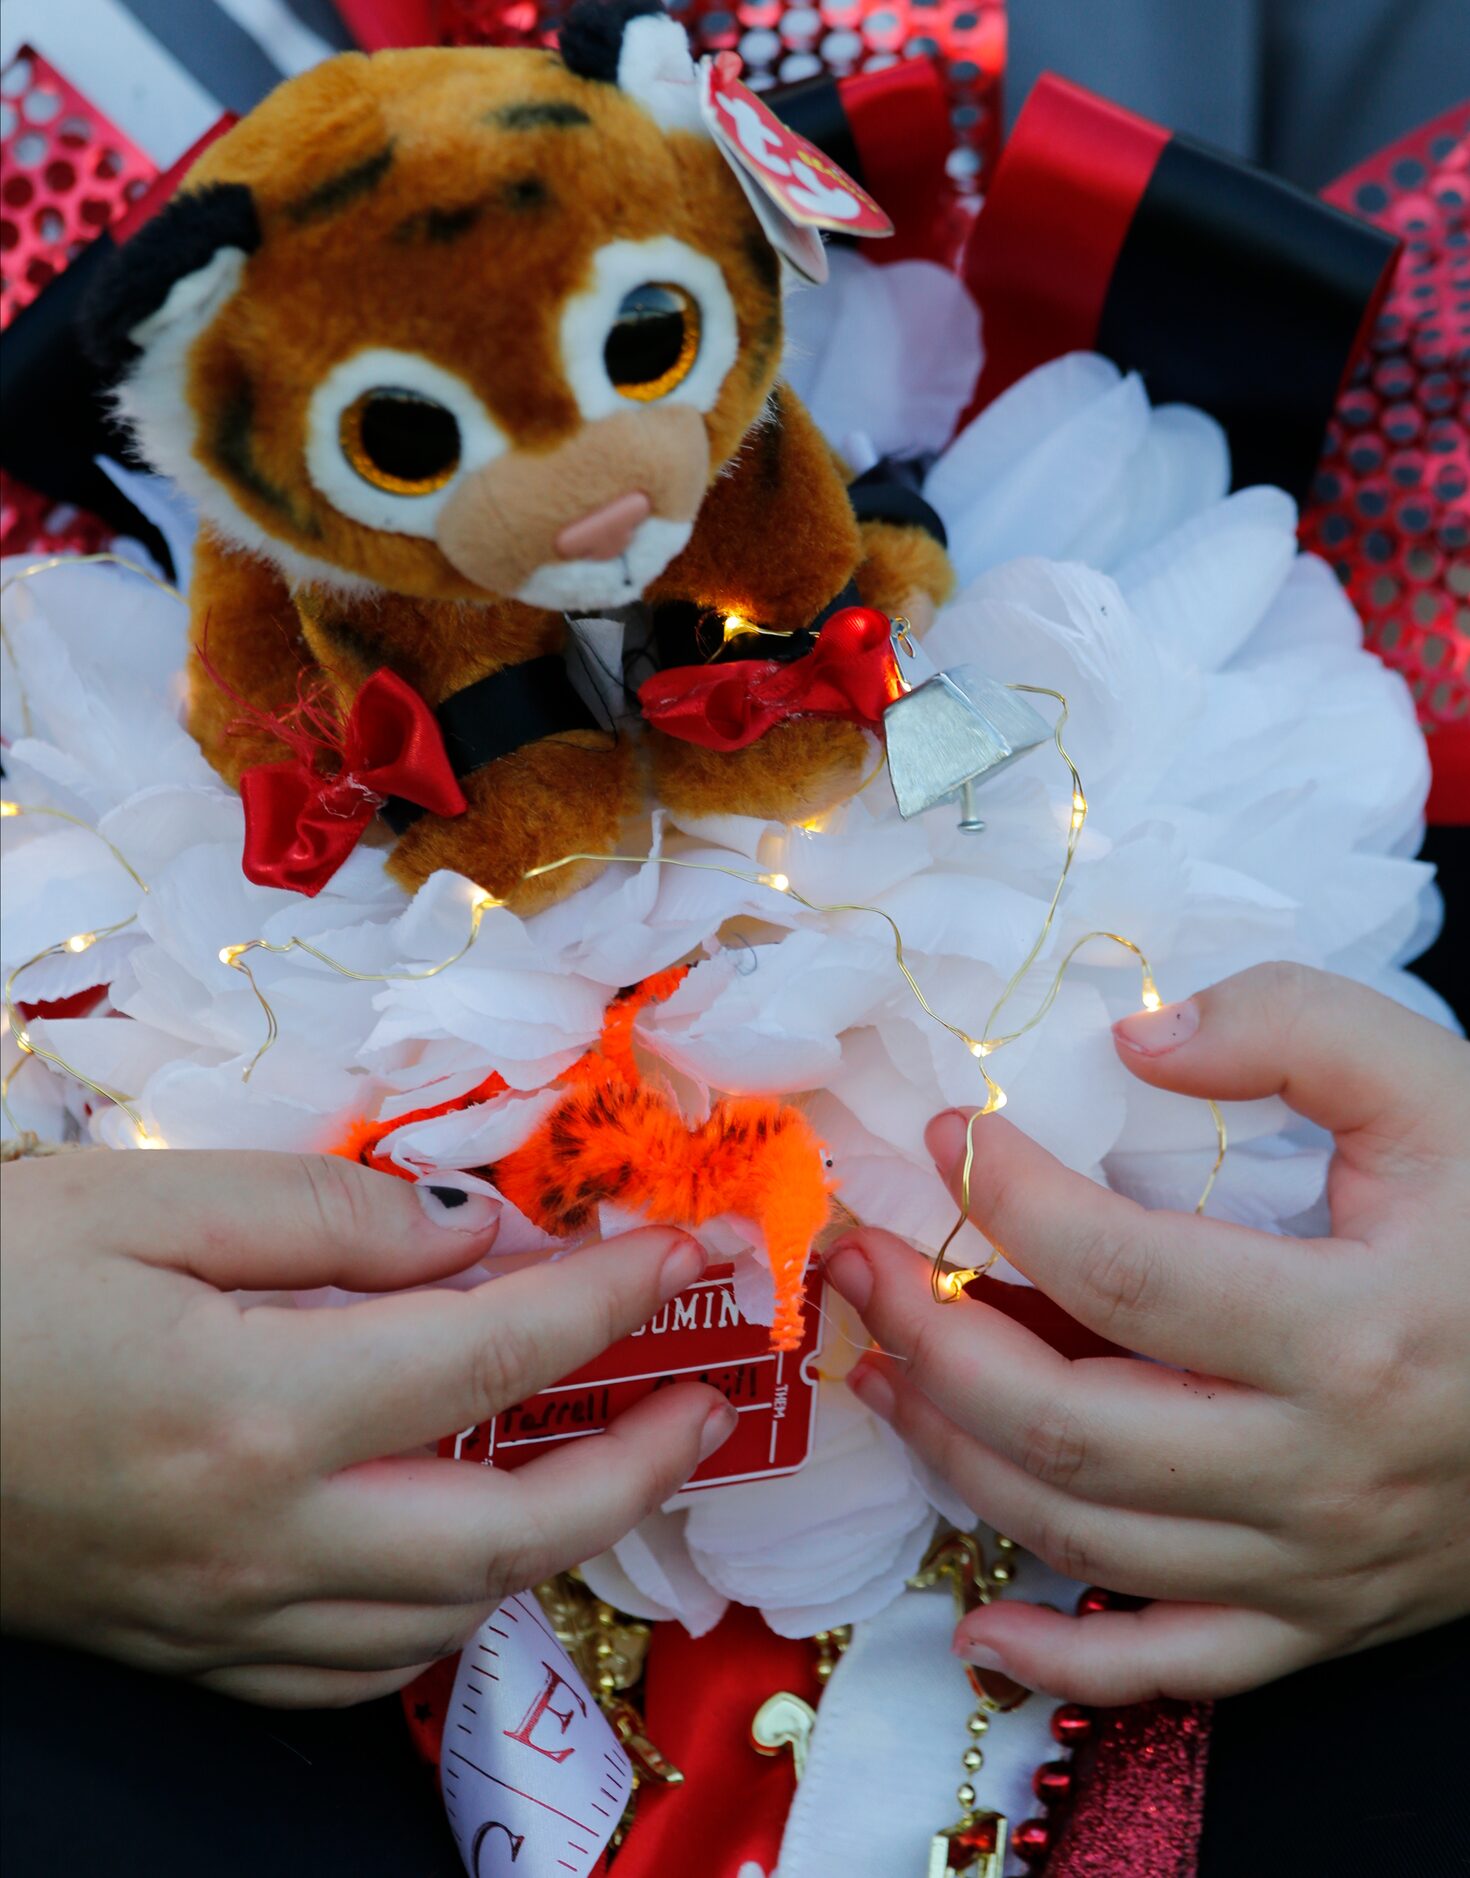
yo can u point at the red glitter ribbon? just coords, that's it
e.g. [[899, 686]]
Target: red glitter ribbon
[[1045, 251], [1140, 1803]]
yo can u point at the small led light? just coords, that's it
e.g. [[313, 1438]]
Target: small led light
[[996, 1103], [780, 882], [486, 903], [978, 1049], [736, 626], [7, 809], [1151, 999], [1079, 809], [81, 941], [952, 1284], [143, 1139], [228, 954]]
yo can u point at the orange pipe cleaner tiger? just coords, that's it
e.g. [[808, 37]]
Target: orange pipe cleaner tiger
[[615, 1138]]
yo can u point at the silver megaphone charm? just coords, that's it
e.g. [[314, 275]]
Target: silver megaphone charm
[[951, 731]]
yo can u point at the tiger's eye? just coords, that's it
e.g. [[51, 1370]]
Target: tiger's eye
[[400, 441], [654, 341]]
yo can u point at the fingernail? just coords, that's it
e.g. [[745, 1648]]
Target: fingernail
[[469, 1213], [945, 1138], [873, 1389], [718, 1427], [980, 1656], [1155, 1033], [681, 1267], [849, 1270]]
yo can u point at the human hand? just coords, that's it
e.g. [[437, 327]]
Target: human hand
[[195, 1486], [1295, 1484]]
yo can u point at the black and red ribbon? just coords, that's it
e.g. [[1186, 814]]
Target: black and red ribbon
[[1224, 287]]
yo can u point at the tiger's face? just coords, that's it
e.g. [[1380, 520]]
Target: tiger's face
[[458, 324]]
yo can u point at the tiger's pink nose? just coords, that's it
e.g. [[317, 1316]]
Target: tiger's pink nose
[[605, 533]]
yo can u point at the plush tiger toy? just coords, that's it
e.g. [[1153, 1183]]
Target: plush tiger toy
[[454, 346]]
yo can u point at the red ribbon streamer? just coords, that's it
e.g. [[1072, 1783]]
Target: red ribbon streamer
[[379, 24], [1048, 239], [300, 826], [850, 672], [700, 1697]]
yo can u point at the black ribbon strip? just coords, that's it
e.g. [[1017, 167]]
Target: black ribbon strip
[[1237, 292], [890, 492], [498, 715]]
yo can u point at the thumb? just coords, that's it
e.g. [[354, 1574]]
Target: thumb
[[1343, 1056], [246, 1221]]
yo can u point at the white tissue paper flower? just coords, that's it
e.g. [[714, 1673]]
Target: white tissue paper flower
[[1255, 782]]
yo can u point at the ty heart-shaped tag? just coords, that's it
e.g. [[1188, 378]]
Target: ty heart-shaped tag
[[791, 185]]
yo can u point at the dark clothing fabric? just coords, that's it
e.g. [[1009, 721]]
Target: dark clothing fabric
[[108, 1770], [1354, 1765]]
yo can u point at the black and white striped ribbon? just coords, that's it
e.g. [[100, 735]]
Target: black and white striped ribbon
[[238, 49]]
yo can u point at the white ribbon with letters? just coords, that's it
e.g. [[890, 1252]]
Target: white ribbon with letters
[[535, 1781]]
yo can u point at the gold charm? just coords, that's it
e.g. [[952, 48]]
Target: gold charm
[[958, 1557], [975, 1848], [784, 1720], [627, 1725]]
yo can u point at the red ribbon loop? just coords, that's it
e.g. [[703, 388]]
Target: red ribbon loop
[[850, 672], [300, 826]]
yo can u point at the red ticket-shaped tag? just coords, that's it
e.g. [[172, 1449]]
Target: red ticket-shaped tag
[[699, 1337], [790, 183]]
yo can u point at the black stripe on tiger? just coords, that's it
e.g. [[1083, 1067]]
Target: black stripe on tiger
[[342, 190], [550, 114], [233, 451]]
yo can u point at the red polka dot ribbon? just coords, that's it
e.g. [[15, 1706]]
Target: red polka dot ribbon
[[1390, 506]]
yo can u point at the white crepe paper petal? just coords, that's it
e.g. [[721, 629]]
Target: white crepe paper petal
[[1255, 783], [472, 1137], [914, 399]]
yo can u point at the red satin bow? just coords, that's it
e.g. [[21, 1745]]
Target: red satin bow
[[850, 672], [300, 826]]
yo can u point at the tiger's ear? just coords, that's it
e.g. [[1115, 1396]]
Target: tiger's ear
[[173, 275], [634, 45]]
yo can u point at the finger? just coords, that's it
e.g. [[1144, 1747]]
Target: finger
[[284, 1685], [387, 1374], [1193, 1652], [259, 1221], [1149, 1555], [1200, 1293], [1340, 1054], [338, 1634], [1115, 1430], [451, 1532]]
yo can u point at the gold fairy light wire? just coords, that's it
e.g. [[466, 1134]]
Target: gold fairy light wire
[[10, 810], [28, 1046], [77, 943], [103, 558], [946, 1286], [235, 955]]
